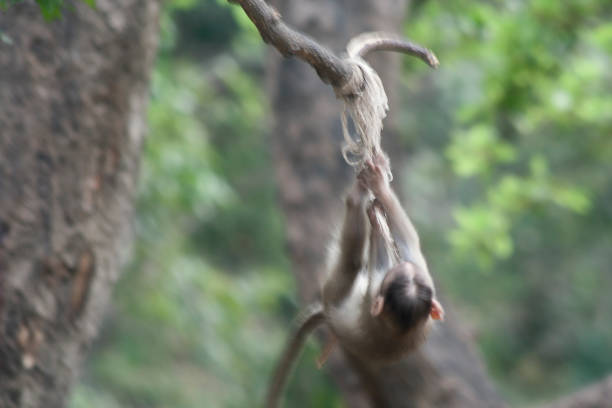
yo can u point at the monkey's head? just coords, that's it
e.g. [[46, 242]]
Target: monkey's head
[[406, 297]]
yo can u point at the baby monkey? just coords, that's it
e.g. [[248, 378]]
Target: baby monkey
[[379, 299]]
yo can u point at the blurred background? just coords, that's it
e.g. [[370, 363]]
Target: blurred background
[[508, 177]]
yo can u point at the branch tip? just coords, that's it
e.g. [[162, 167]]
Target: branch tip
[[365, 43]]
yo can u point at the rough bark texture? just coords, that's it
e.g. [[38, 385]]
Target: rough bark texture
[[312, 177], [73, 96]]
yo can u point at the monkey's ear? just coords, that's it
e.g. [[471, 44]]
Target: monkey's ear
[[377, 306], [437, 312]]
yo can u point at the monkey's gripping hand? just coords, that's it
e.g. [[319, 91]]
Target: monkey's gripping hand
[[375, 175]]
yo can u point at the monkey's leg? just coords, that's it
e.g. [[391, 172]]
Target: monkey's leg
[[352, 244], [330, 345]]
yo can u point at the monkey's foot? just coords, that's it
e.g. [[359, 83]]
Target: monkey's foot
[[327, 350]]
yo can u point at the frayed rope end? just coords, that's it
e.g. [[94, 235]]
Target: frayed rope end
[[366, 102]]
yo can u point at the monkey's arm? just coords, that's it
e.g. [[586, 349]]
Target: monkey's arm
[[402, 230], [312, 317], [352, 244]]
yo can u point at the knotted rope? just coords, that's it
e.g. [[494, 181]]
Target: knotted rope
[[366, 102]]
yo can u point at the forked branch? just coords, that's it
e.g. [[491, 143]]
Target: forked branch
[[330, 68]]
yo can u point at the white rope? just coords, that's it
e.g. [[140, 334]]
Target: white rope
[[366, 102], [385, 231]]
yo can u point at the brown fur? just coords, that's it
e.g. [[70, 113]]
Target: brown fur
[[379, 308]]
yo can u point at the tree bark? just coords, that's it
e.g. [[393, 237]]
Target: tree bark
[[73, 96], [312, 177]]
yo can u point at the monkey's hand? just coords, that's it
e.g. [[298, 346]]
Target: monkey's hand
[[374, 176], [327, 350], [381, 159]]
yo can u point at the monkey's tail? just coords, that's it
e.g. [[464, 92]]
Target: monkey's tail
[[312, 317]]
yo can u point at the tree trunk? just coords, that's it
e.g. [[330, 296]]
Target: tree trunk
[[73, 95], [312, 178], [598, 395]]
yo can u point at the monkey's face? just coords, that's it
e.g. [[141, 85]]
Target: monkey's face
[[405, 299]]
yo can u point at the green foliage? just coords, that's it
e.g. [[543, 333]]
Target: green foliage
[[478, 150], [50, 9], [510, 185], [203, 310], [526, 101]]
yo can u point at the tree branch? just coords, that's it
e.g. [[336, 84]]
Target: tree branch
[[330, 68], [274, 31], [366, 43], [594, 396]]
